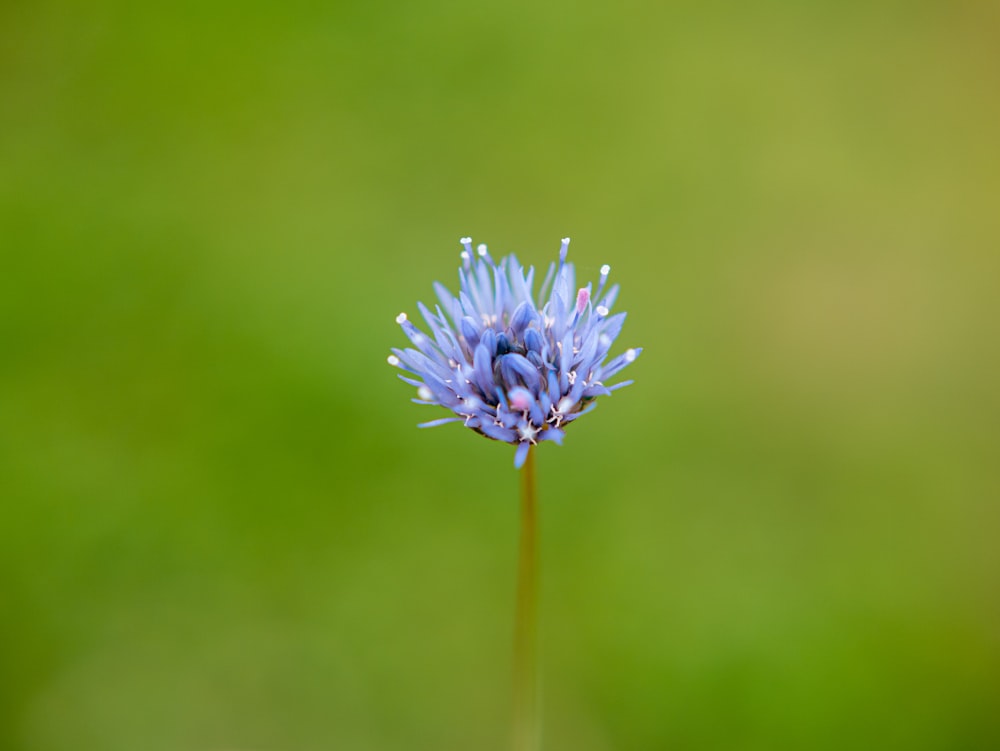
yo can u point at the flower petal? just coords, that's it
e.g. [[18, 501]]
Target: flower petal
[[521, 454]]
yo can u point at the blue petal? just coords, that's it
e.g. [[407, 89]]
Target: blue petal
[[533, 341], [613, 325], [612, 295], [470, 330], [543, 291], [502, 296], [482, 364], [619, 363], [581, 413], [554, 392], [508, 419], [489, 340], [621, 385], [448, 301], [411, 381], [442, 421], [596, 389], [537, 415], [523, 315], [514, 367], [521, 454], [497, 433], [521, 284], [552, 434]]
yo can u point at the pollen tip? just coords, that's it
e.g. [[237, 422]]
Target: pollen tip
[[481, 249], [601, 310], [401, 318], [630, 354], [425, 393], [465, 240], [605, 270], [392, 360], [565, 241]]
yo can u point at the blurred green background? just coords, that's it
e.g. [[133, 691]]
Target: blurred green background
[[219, 527]]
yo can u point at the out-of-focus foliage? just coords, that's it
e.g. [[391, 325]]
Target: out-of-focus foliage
[[219, 528]]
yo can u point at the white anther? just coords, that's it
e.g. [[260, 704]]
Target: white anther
[[392, 360], [565, 405], [424, 393], [605, 270], [604, 340], [601, 310], [481, 249], [401, 318], [630, 355], [465, 240], [565, 241], [465, 255]]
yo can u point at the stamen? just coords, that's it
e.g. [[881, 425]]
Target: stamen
[[467, 253], [564, 248], [601, 310], [481, 249], [401, 318], [630, 355], [425, 393], [605, 270], [392, 360]]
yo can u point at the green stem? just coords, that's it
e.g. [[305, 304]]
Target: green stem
[[527, 731]]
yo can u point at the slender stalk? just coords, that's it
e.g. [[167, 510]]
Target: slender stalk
[[527, 731]]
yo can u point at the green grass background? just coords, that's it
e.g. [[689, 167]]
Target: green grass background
[[219, 528]]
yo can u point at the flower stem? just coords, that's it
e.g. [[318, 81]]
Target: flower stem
[[527, 731]]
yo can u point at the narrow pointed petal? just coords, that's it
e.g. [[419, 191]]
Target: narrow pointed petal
[[521, 454], [442, 421], [523, 315], [483, 369], [552, 434]]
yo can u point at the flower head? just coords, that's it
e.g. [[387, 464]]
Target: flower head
[[512, 366]]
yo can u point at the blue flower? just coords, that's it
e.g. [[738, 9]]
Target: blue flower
[[512, 366]]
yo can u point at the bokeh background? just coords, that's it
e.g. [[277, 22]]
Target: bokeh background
[[219, 527]]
